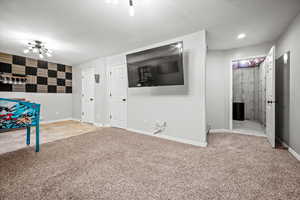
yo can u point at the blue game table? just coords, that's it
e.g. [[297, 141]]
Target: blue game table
[[20, 114]]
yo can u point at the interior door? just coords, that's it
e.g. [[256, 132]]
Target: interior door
[[88, 95], [270, 93], [118, 96]]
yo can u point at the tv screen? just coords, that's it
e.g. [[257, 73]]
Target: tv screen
[[159, 66]]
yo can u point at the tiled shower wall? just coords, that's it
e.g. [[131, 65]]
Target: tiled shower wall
[[249, 87], [42, 76]]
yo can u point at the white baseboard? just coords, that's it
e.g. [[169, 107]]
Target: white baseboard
[[294, 153], [176, 139], [283, 143], [107, 125], [74, 119], [236, 132], [98, 124], [58, 120], [219, 131]]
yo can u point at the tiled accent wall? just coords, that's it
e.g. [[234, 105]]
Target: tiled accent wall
[[42, 76]]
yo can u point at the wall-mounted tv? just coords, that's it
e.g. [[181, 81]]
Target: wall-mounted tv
[[159, 66]]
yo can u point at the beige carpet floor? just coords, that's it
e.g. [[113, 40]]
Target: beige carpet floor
[[116, 164]]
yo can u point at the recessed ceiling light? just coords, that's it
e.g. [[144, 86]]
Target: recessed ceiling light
[[241, 36]]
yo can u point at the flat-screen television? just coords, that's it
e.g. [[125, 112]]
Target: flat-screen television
[[159, 66]]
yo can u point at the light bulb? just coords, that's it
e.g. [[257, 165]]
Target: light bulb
[[41, 55], [131, 11], [26, 51], [285, 58], [179, 45], [242, 36]]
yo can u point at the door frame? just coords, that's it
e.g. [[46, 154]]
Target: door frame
[[231, 87], [81, 95], [109, 84]]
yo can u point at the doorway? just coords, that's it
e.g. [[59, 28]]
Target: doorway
[[283, 99], [249, 95], [88, 95], [253, 96], [118, 84]]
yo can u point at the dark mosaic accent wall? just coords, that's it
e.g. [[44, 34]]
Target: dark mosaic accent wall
[[42, 76]]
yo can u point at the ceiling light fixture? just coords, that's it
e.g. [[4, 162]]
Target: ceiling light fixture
[[131, 8], [38, 47], [241, 36]]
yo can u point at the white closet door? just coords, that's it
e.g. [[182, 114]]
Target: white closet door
[[270, 96], [118, 96], [88, 95]]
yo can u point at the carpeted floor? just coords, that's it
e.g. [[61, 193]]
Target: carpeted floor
[[116, 164]]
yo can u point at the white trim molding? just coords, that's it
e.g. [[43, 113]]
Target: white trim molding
[[61, 120], [294, 153], [167, 137], [58, 120], [98, 124], [78, 120], [283, 143], [241, 132], [107, 126], [102, 125]]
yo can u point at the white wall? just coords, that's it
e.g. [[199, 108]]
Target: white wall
[[218, 77], [289, 41], [54, 106], [182, 107]]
